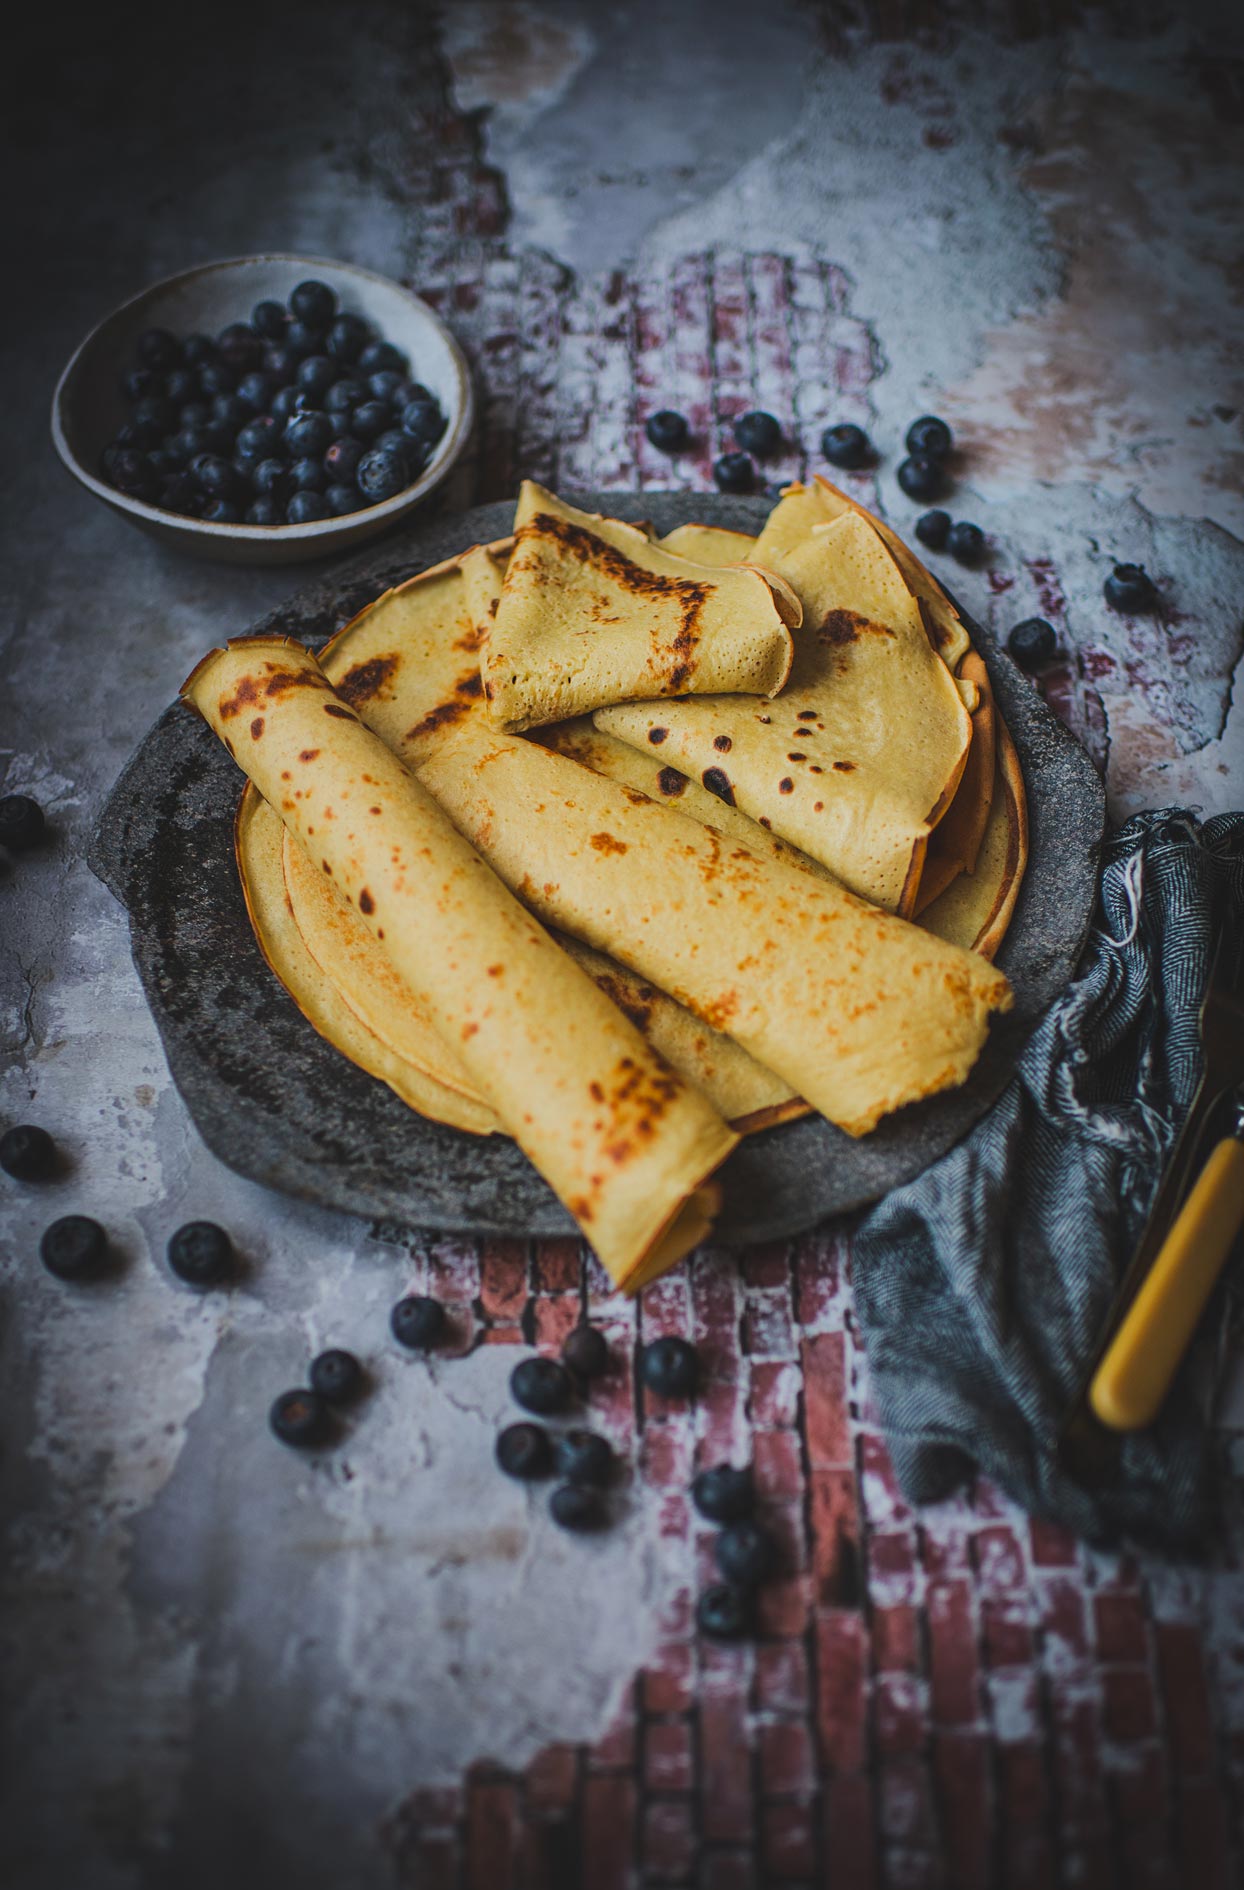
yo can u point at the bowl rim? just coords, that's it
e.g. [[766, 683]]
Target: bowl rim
[[447, 453]]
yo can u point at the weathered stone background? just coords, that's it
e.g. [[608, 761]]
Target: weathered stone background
[[386, 1667]]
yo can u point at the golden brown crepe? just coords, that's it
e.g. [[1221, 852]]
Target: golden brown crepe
[[624, 1141], [709, 544], [860, 755], [976, 908], [593, 611], [856, 1010]]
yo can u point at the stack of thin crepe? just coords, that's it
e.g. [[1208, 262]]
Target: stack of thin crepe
[[727, 902]]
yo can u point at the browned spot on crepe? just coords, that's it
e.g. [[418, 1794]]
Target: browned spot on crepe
[[367, 679]]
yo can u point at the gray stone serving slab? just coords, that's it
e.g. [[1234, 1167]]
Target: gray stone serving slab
[[276, 1102]]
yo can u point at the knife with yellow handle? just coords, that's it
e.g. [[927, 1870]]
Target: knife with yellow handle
[[1130, 1385]]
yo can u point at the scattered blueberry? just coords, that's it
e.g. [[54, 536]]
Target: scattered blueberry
[[524, 1450], [577, 1506], [347, 338], [1129, 588], [724, 1494], [381, 475], [269, 319], [378, 355], [201, 1254], [541, 1385], [308, 475], [723, 1612], [158, 349], [300, 1418], [27, 1152], [74, 1248], [922, 478], [670, 1367], [1033, 643], [586, 1351], [758, 433], [846, 445], [337, 1376], [745, 1553], [966, 542], [929, 438], [584, 1457], [307, 508], [21, 822], [734, 472], [667, 430], [932, 529], [417, 1322], [342, 500], [314, 302]]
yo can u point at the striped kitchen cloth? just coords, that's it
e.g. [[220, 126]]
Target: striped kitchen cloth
[[980, 1287]]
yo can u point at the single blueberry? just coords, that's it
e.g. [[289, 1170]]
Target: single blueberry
[[758, 433], [381, 476], [181, 385], [308, 475], [344, 395], [179, 494], [922, 478], [265, 510], [932, 529], [667, 430], [395, 441], [586, 1351], [723, 1612], [240, 346], [370, 420], [158, 349], [724, 1494], [201, 1254], [216, 377], [130, 471], [270, 479], [21, 822], [584, 1457], [337, 1376], [300, 1418], [929, 438], [734, 472], [157, 412], [164, 461], [302, 340], [261, 438], [194, 413], [307, 507], [846, 445], [347, 338], [197, 349], [27, 1152], [255, 392], [417, 1322], [669, 1367], [221, 512], [284, 403], [423, 421], [141, 382], [378, 355], [745, 1553], [524, 1450], [342, 500], [231, 411], [74, 1248], [213, 475], [279, 364], [269, 320], [385, 384], [966, 542], [188, 444], [316, 375], [314, 302], [308, 435], [541, 1385], [1033, 643], [1129, 588], [342, 459], [577, 1506]]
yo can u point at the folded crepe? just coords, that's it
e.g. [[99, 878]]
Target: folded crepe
[[593, 611], [628, 1146], [861, 754], [976, 908], [858, 1011], [956, 840], [709, 544]]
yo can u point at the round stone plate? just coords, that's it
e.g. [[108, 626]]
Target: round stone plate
[[276, 1102]]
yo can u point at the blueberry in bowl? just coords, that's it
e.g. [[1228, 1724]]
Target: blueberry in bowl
[[186, 366]]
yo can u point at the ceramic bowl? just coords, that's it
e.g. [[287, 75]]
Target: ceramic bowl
[[88, 406]]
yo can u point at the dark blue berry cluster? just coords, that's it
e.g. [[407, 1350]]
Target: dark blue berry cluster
[[302, 413]]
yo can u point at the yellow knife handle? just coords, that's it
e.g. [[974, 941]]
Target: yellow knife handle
[[1135, 1375]]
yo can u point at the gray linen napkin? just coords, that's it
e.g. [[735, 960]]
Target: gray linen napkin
[[980, 1287]]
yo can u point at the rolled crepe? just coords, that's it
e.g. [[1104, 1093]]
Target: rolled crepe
[[626, 1144], [593, 611], [977, 907], [861, 754], [858, 1011]]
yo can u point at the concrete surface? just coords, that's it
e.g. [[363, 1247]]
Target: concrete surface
[[222, 1662]]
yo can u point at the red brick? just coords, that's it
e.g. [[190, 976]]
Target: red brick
[[767, 1329], [666, 1453], [783, 1605], [503, 1287], [896, 1638], [898, 1713], [558, 1266], [850, 1831], [727, 1870], [616, 1747], [842, 1701], [767, 1265], [1187, 1701], [668, 1759], [961, 1780], [1120, 1623], [1075, 1759], [778, 1463], [952, 1654], [1203, 1836], [1139, 1787], [1130, 1711], [880, 1494], [501, 1335], [1005, 1631], [785, 1522], [548, 1854], [781, 1677], [1088, 1863], [787, 1762], [1062, 1610], [788, 1841], [946, 1550], [1000, 1558], [906, 1798], [552, 1777], [1052, 1546], [1027, 1859], [491, 1834], [835, 1523], [819, 1282], [556, 1316], [608, 1825], [434, 1864], [773, 1393], [715, 1305], [669, 1684], [725, 1761], [721, 1409], [668, 1840], [826, 1416], [1023, 1794]]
